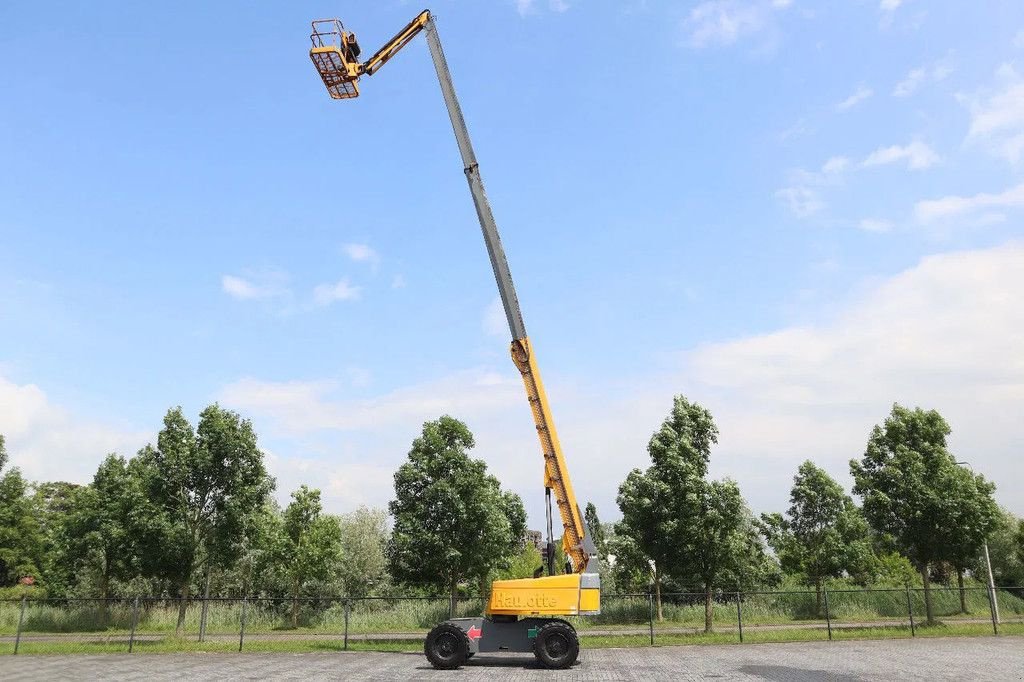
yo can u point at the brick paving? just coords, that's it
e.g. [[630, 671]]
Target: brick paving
[[978, 659]]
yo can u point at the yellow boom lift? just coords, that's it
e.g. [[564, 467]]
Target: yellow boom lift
[[522, 615]]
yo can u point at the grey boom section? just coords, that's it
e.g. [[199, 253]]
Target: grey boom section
[[499, 264]]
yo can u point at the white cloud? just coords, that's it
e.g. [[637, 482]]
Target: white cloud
[[944, 334], [909, 84], [725, 22], [802, 200], [888, 9], [915, 78], [342, 290], [525, 7], [917, 154], [836, 164], [875, 225], [361, 253], [50, 443], [299, 407], [862, 93], [954, 206], [254, 286], [494, 322], [997, 115]]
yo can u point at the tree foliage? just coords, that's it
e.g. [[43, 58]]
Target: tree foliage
[[823, 535], [452, 522], [311, 547], [913, 489], [690, 529], [364, 537], [108, 522], [21, 539], [205, 486]]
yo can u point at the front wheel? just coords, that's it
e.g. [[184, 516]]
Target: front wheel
[[556, 645], [446, 647]]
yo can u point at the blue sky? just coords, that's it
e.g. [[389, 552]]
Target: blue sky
[[793, 212]]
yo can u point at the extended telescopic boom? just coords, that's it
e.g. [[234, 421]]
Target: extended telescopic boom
[[340, 74]]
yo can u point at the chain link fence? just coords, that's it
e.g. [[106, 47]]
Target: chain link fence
[[400, 623]]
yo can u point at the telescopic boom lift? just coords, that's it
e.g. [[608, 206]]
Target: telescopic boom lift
[[521, 615]]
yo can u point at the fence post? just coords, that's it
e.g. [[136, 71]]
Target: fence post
[[828, 616], [650, 614], [21, 620], [135, 624], [347, 607], [739, 613], [206, 602], [992, 610], [241, 631], [910, 612]]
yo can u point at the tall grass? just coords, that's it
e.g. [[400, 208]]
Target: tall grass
[[398, 615]]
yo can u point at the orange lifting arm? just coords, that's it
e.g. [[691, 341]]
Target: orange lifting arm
[[391, 48]]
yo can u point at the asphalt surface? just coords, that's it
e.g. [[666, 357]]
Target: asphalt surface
[[996, 658]]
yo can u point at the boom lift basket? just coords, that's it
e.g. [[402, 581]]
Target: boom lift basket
[[335, 54]]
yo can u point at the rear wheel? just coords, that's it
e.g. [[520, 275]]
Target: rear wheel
[[446, 647], [556, 645]]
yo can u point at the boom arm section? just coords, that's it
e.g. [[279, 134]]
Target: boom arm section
[[576, 544], [334, 54], [392, 47]]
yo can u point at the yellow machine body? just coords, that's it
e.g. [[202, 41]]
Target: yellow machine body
[[554, 595]]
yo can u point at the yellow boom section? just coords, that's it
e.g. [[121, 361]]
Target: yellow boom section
[[556, 473]]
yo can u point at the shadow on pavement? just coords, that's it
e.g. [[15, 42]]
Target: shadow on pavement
[[783, 673]]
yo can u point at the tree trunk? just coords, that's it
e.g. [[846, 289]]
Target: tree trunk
[[182, 605], [295, 603], [454, 597], [709, 624], [929, 611], [817, 589], [657, 592], [963, 592]]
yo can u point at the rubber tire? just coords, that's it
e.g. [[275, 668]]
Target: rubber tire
[[556, 635], [434, 647]]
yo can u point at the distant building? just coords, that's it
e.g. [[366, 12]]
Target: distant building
[[533, 537]]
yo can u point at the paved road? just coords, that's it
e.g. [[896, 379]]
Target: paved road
[[927, 659]]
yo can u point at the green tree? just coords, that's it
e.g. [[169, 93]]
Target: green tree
[[3, 452], [657, 504], [905, 479], [1006, 552], [312, 547], [596, 531], [55, 505], [451, 520], [823, 535], [719, 544], [976, 515], [21, 539], [207, 486], [106, 524], [364, 537], [522, 565]]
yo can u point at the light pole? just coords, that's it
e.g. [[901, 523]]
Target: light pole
[[988, 565]]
